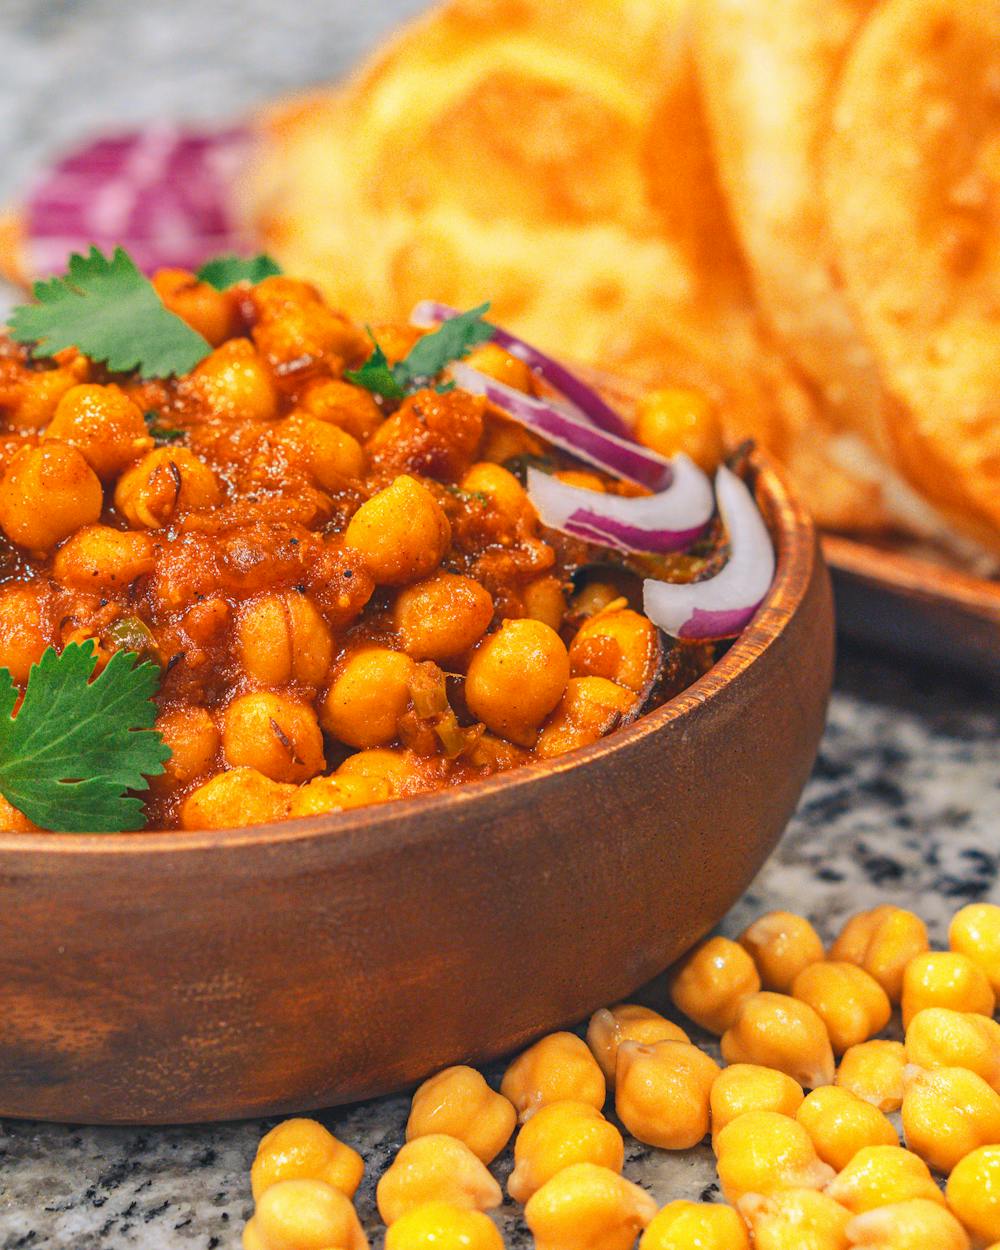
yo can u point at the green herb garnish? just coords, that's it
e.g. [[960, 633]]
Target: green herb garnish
[[77, 745], [454, 339], [161, 433], [223, 272], [109, 311]]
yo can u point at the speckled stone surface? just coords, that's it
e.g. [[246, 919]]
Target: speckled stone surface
[[904, 803]]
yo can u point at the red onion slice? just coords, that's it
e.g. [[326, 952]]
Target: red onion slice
[[572, 433], [163, 192], [667, 521], [721, 606], [582, 397]]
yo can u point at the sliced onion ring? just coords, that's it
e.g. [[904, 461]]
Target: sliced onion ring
[[573, 434], [720, 606], [667, 521], [581, 396]]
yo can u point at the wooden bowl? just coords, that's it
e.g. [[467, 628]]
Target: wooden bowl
[[159, 978]]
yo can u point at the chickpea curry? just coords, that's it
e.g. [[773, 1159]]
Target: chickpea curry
[[348, 595]]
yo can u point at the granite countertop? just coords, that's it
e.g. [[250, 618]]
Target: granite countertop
[[903, 805]]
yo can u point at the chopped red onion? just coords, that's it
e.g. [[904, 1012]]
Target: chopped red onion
[[163, 192], [720, 606], [582, 397], [667, 521], [572, 433]]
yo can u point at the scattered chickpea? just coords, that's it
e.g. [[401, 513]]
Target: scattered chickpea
[[503, 489], [47, 493], [627, 1022], [840, 1125], [557, 1068], [100, 558], [973, 1192], [275, 734], [744, 1087], [282, 638], [589, 708], [494, 361], [586, 1207], [557, 1136], [235, 799], [882, 941], [781, 945], [915, 1225], [975, 932], [442, 617], [459, 1103], [762, 1152], [941, 1038], [712, 983], [442, 1226], [162, 484], [948, 1113], [368, 696], [212, 313], [350, 407], [304, 1215], [396, 769], [193, 739], [780, 1032], [337, 794], [662, 1092], [874, 1072], [234, 380], [330, 453], [302, 1149], [23, 632], [401, 533], [695, 1226], [622, 646], [878, 1176], [945, 979], [36, 397], [680, 420], [516, 677], [795, 1219], [104, 425], [435, 1168], [848, 1000], [544, 600]]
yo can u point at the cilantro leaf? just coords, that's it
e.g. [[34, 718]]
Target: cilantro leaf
[[76, 745], [223, 272], [109, 311], [454, 339]]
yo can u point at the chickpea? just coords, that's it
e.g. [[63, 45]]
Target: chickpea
[[295, 329], [945, 979], [938, 1037], [441, 1226], [459, 1103], [435, 1168], [975, 932], [304, 1214], [622, 646], [234, 799], [882, 941], [401, 533], [849, 1001], [282, 638], [274, 734], [678, 420], [544, 600], [38, 393], [880, 1175], [781, 1032], [684, 1225], [947, 1113], [516, 678], [212, 313], [234, 382], [744, 1087], [974, 1192], [302, 1149], [762, 1152], [557, 1068], [100, 558], [840, 1125], [46, 493], [662, 1092], [397, 770], [23, 632], [711, 984], [104, 425], [799, 1218], [331, 454], [441, 617], [627, 1022], [915, 1225], [587, 1207], [556, 1137], [590, 708], [337, 794], [505, 492], [873, 1071], [492, 360], [13, 821], [781, 944], [369, 695], [351, 407], [193, 739], [164, 483]]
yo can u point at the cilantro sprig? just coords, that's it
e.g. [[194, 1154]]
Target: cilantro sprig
[[111, 312], [78, 742], [455, 338], [222, 272]]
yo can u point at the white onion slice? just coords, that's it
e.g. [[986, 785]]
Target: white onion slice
[[570, 432], [580, 396], [667, 521], [721, 606]]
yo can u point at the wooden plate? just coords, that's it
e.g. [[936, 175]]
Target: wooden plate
[[167, 977], [897, 601]]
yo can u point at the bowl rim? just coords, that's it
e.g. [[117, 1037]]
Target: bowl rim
[[361, 831]]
